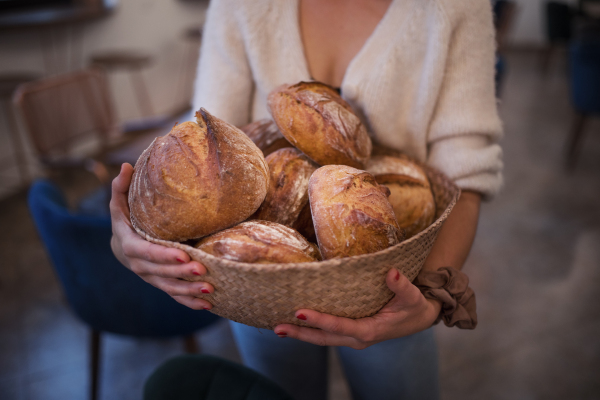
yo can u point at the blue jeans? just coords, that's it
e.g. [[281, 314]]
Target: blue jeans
[[399, 369]]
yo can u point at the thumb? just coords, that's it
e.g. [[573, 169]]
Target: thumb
[[121, 183], [406, 292]]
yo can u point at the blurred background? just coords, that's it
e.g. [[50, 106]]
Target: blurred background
[[87, 84]]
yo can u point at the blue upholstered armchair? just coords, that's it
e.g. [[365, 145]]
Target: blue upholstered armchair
[[100, 290]]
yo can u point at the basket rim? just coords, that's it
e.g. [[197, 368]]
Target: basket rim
[[313, 264]]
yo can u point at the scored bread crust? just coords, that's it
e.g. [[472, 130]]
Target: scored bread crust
[[287, 195], [410, 191], [260, 242], [314, 118], [351, 213], [200, 178], [265, 135]]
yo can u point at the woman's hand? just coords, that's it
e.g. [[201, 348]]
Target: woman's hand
[[162, 267], [407, 313]]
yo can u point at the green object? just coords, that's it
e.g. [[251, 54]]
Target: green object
[[202, 377]]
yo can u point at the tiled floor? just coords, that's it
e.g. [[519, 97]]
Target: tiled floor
[[535, 267]]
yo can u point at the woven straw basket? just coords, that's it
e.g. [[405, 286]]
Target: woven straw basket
[[265, 295]]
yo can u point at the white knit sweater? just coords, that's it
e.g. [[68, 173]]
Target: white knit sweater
[[423, 83]]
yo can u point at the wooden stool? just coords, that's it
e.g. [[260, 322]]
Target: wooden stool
[[9, 82], [133, 62]]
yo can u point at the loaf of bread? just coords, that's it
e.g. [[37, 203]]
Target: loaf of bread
[[287, 195], [351, 212], [260, 242], [266, 136], [200, 178], [314, 118], [411, 196]]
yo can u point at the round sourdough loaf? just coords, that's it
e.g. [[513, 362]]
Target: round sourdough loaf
[[260, 242], [265, 135], [314, 118], [351, 212], [200, 178], [410, 191], [287, 196]]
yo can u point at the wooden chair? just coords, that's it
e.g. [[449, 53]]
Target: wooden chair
[[9, 82], [65, 113], [134, 63]]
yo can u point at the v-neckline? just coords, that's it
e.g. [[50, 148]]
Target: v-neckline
[[365, 47]]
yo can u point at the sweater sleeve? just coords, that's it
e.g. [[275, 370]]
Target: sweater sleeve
[[224, 83], [464, 133]]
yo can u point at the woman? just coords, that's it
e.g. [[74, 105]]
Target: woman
[[420, 74]]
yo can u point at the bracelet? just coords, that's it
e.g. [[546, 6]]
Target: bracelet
[[451, 287]]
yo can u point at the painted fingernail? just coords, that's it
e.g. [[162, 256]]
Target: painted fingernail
[[195, 272], [301, 316], [180, 260], [205, 291], [205, 308], [281, 334], [397, 276]]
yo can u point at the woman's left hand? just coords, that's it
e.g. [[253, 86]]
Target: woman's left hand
[[408, 312]]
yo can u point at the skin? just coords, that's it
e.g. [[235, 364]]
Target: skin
[[333, 31]]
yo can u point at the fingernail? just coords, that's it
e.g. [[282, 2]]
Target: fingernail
[[301, 316], [181, 261], [205, 308], [397, 275], [195, 272], [205, 291], [281, 334]]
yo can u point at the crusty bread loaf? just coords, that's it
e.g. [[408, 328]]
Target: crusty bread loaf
[[260, 242], [411, 195], [266, 136], [287, 195], [314, 118], [200, 178], [351, 212]]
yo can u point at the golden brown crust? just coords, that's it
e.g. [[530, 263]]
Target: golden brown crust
[[260, 242], [411, 195], [314, 118], [200, 178], [266, 136], [287, 195], [351, 212]]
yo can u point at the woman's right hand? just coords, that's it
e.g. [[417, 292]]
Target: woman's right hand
[[163, 267]]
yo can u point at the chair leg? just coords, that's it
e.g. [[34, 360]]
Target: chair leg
[[574, 142], [95, 344], [191, 345]]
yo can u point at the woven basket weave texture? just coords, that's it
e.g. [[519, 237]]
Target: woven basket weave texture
[[266, 295]]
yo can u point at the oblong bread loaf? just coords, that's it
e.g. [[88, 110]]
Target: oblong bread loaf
[[351, 213], [410, 191], [260, 242], [266, 136], [314, 118]]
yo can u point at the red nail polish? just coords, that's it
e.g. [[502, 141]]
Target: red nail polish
[[205, 291], [281, 334], [205, 308], [301, 316], [195, 272], [180, 260], [397, 276]]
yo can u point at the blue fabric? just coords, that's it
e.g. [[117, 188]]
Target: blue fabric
[[584, 58], [101, 291], [397, 369]]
